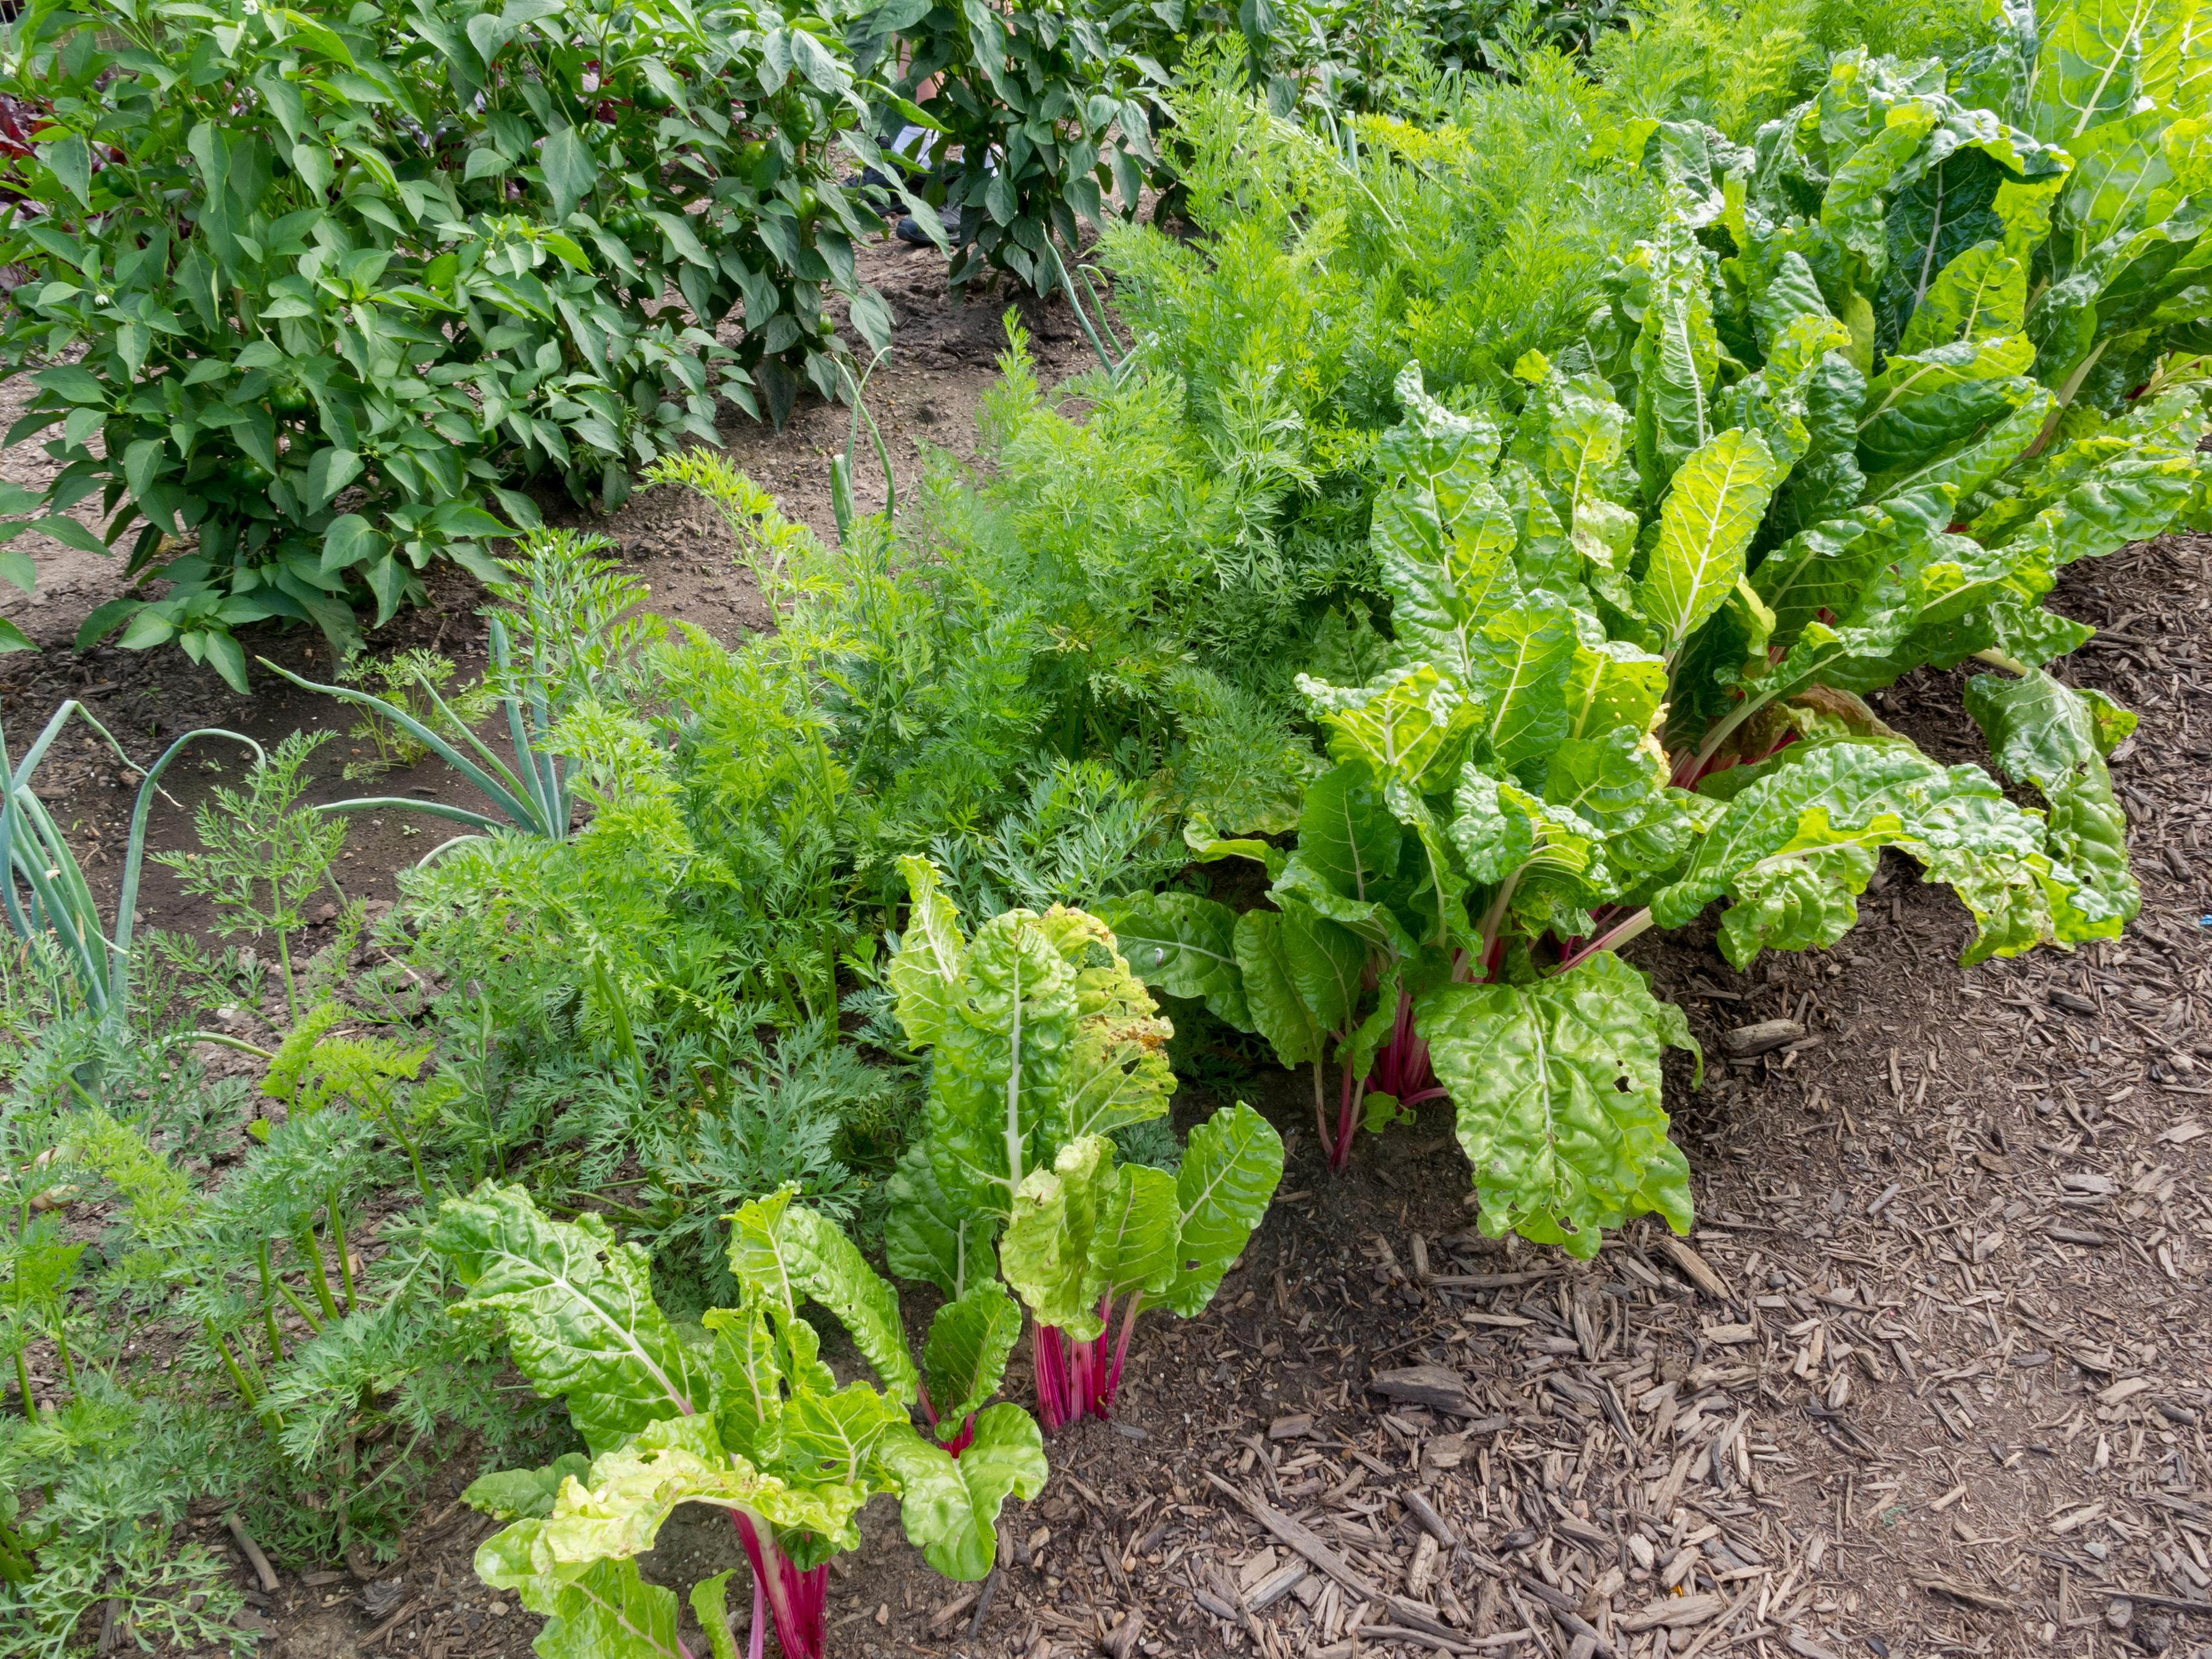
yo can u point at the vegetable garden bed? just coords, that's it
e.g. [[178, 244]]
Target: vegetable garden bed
[[1897, 1344]]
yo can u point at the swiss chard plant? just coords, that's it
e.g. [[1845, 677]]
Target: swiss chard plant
[[302, 289], [1042, 1044], [745, 1416], [1838, 422]]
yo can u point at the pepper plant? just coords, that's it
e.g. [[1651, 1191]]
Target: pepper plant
[[1041, 1043], [1822, 436], [745, 1417], [1038, 114], [339, 276]]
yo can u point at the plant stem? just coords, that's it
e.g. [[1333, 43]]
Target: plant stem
[[23, 1383], [284, 959], [1639, 923], [269, 1304], [338, 1238], [312, 1250]]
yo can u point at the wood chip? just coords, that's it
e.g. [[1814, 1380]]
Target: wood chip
[[1966, 1594], [1694, 1266], [1768, 1035], [1436, 1387], [1674, 1612], [1120, 1642]]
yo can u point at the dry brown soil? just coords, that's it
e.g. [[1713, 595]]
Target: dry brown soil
[[1931, 1375]]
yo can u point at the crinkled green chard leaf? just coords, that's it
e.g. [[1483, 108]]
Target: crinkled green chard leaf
[[1982, 295], [1718, 497], [1557, 1085], [1230, 1168], [2089, 69], [1520, 665], [1677, 354], [950, 1506], [1400, 728], [1186, 946], [602, 1611], [578, 1311], [2047, 733], [1000, 1068], [1279, 1010], [1927, 404], [1442, 535], [1955, 820], [710, 1606], [524, 1494], [2119, 482], [965, 1353], [1618, 785], [631, 1492], [927, 973], [788, 1254], [1087, 1229], [928, 1237], [1614, 683]]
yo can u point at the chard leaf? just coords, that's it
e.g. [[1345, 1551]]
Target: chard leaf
[[710, 1606], [1611, 685], [1325, 960], [1495, 830], [524, 1494], [1400, 726], [1279, 1010], [1954, 820], [829, 1437], [1677, 356], [1447, 571], [1349, 842], [1117, 1068], [926, 974], [965, 1353], [749, 1383], [950, 1506], [773, 1240], [1232, 1166], [632, 1492], [1802, 898], [926, 1236], [603, 1611], [1135, 1245], [580, 1318], [1924, 405], [2089, 71], [1001, 1067], [1717, 497], [1557, 1088], [1046, 1253], [1518, 672], [1980, 295], [1617, 784], [2046, 733], [1186, 946]]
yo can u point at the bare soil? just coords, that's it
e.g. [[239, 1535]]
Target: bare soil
[[1931, 1375]]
